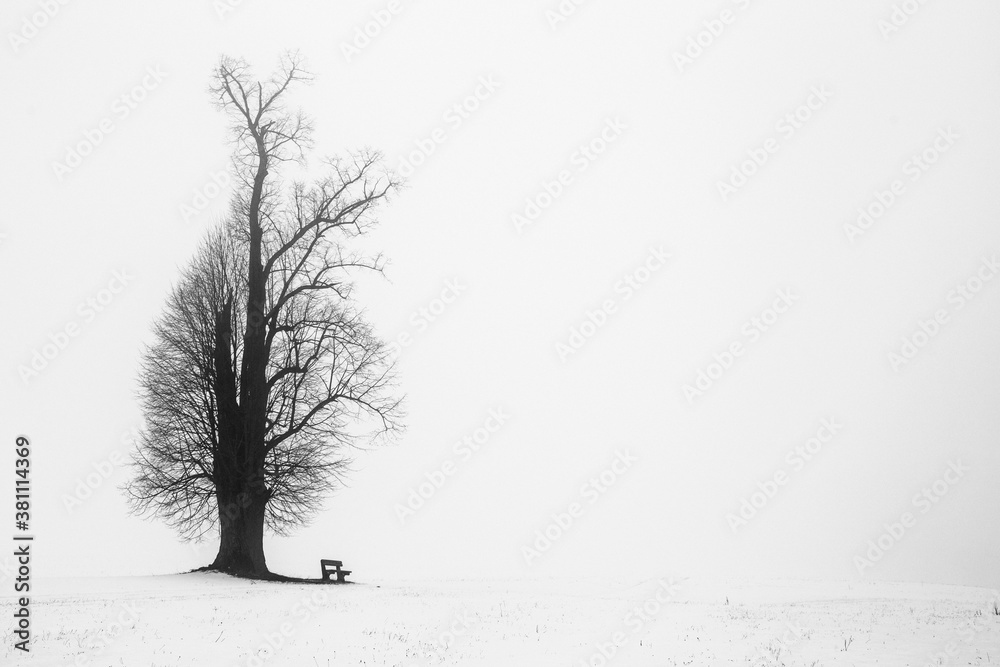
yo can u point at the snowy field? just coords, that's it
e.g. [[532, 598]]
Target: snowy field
[[213, 620]]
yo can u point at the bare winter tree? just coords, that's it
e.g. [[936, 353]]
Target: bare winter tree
[[263, 371]]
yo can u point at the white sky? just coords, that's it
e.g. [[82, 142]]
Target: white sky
[[495, 345]]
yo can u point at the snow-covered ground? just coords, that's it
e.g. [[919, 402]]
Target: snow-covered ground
[[213, 620]]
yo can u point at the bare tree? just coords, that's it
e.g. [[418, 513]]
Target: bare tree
[[263, 371]]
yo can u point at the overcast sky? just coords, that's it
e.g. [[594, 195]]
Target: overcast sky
[[637, 246]]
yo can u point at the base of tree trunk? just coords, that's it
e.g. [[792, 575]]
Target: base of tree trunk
[[241, 565], [241, 530], [271, 576], [244, 571]]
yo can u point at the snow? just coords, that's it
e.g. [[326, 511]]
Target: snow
[[209, 619]]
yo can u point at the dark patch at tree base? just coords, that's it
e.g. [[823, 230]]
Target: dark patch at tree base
[[270, 576]]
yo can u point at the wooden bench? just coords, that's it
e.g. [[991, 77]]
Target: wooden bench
[[329, 567]]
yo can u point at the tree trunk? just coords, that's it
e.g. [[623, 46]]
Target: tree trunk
[[241, 522], [240, 491]]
